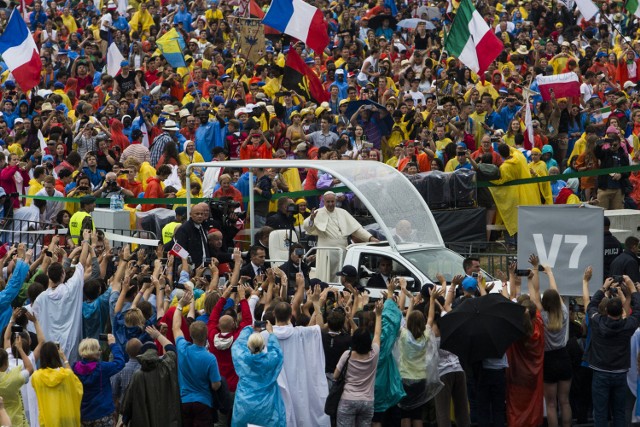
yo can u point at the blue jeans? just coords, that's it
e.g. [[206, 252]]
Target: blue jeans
[[609, 389]]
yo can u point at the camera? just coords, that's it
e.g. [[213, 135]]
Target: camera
[[292, 208], [221, 209], [112, 186], [260, 324], [16, 329], [103, 337], [299, 252], [617, 279]]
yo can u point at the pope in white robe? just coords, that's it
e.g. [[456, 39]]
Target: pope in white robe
[[333, 226]]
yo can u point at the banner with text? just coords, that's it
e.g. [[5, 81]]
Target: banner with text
[[568, 238], [252, 44]]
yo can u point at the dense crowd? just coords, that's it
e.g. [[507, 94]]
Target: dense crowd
[[97, 333], [103, 336]]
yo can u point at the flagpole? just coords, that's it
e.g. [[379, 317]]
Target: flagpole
[[622, 36]]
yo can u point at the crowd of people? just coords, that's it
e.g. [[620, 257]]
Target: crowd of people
[[102, 135], [102, 336], [95, 335]]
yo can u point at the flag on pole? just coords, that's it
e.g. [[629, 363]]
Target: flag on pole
[[171, 44], [178, 251], [256, 13], [633, 6], [528, 122], [20, 53], [471, 40], [300, 20], [563, 85], [43, 143], [114, 57], [299, 77], [587, 8]]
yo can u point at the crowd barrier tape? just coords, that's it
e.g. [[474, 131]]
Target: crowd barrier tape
[[111, 236], [298, 194], [127, 239], [61, 231]]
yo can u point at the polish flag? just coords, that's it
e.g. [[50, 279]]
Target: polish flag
[[20, 53], [566, 85], [179, 251]]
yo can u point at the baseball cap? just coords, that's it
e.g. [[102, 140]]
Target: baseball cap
[[348, 271], [87, 200], [469, 284]]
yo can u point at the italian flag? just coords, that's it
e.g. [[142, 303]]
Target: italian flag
[[471, 40], [633, 6]]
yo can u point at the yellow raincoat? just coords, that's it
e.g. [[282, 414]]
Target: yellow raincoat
[[59, 394], [146, 171], [141, 19], [540, 169], [508, 198]]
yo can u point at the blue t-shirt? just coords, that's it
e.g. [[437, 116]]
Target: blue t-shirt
[[197, 369]]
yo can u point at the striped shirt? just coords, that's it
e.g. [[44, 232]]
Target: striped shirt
[[137, 151]]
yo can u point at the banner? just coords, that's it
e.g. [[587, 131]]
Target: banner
[[568, 238], [251, 39]]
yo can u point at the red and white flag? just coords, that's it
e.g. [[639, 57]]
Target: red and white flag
[[564, 85], [179, 251]]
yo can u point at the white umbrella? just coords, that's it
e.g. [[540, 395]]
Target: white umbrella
[[430, 11], [413, 23]]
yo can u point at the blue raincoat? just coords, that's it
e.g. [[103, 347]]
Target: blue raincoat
[[257, 400]]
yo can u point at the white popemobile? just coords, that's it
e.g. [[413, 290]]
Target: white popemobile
[[412, 239]]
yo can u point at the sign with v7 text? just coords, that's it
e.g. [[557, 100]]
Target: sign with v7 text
[[568, 238]]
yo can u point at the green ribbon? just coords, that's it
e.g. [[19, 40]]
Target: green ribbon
[[563, 177]]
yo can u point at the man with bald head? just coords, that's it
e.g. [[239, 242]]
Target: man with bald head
[[225, 325], [333, 226], [192, 236]]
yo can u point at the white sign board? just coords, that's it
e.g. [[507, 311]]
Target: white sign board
[[569, 238]]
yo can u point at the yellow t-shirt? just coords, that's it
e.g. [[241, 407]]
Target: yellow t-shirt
[[442, 143], [34, 187]]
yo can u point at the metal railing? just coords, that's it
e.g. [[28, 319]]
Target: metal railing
[[37, 234], [493, 256]]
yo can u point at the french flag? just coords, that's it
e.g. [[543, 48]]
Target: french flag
[[20, 53], [300, 20]]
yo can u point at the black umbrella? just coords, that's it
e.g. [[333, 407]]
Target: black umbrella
[[377, 21], [481, 328]]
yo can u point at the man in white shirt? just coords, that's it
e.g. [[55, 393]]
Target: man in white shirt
[[49, 190], [60, 306], [586, 88], [416, 95]]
